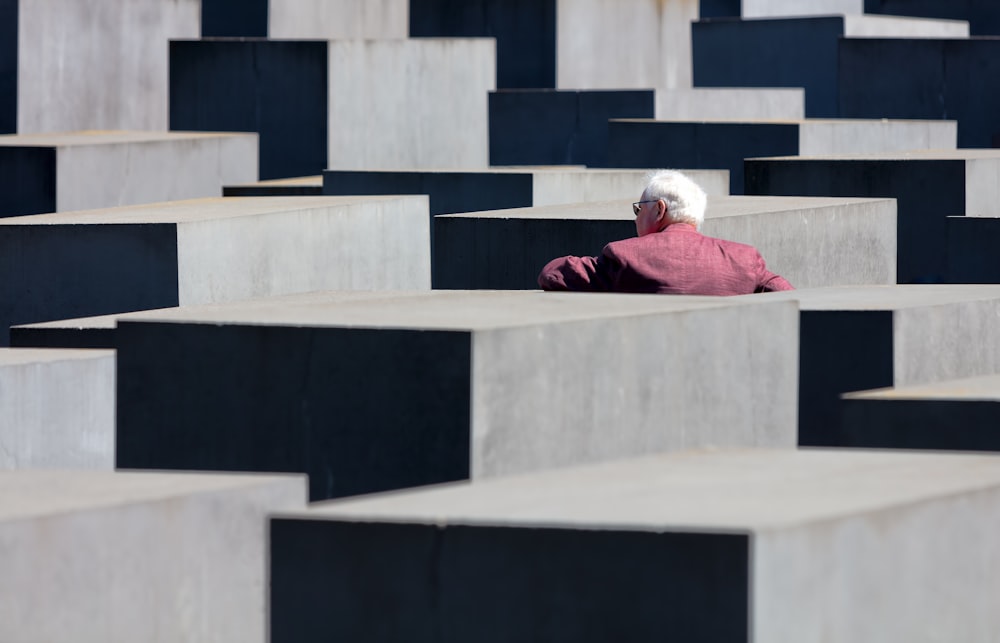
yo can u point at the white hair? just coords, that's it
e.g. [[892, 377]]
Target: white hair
[[685, 199]]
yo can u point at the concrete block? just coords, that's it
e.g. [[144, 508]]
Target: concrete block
[[291, 19], [570, 127], [572, 44], [928, 186], [983, 16], [57, 409], [778, 546], [98, 556], [387, 392], [297, 186], [952, 415], [795, 52], [85, 170], [343, 104], [726, 143], [924, 78], [972, 250], [499, 188], [57, 266], [812, 242], [856, 338], [69, 65]]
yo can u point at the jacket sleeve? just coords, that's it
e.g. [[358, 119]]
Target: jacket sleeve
[[575, 274], [767, 281]]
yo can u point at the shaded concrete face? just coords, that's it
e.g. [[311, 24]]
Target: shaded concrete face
[[8, 66], [432, 113], [611, 44], [972, 244], [449, 362], [58, 409], [983, 15], [94, 64], [842, 517], [108, 556], [924, 78], [810, 242], [525, 33]]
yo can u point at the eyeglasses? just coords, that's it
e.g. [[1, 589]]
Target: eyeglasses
[[635, 206]]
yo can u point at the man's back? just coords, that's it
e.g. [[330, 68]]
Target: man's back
[[676, 260]]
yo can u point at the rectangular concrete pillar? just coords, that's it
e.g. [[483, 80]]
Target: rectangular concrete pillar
[[950, 415], [346, 104], [796, 52], [924, 78], [70, 65], [856, 338], [390, 391], [57, 409], [812, 242], [928, 187], [84, 170], [778, 546], [724, 144], [94, 262], [95, 556]]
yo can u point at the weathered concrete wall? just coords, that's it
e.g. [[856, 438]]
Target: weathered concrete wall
[[95, 64], [326, 19], [57, 409], [610, 44], [810, 242], [451, 362], [120, 259], [103, 556], [749, 546]]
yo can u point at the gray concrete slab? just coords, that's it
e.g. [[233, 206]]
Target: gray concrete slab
[[297, 186], [866, 337], [810, 241], [796, 52], [380, 393], [57, 409], [783, 546], [102, 169], [347, 104], [928, 186], [507, 187], [725, 143], [102, 556], [953, 415], [63, 265], [94, 64]]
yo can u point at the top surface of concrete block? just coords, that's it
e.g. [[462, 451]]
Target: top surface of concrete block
[[27, 494], [443, 310], [741, 490], [961, 154], [106, 137], [193, 210], [894, 297], [19, 356], [983, 388]]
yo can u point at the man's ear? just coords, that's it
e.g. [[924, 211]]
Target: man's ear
[[662, 214]]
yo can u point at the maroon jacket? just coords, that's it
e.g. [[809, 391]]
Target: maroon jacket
[[678, 260]]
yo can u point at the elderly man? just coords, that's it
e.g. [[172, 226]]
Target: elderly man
[[669, 256]]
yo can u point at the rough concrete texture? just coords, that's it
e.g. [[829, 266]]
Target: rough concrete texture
[[452, 363], [102, 556], [856, 338], [431, 113], [58, 409], [500, 188], [338, 19], [96, 64], [812, 242], [784, 8], [725, 143], [784, 546], [957, 415], [96, 262], [103, 169], [729, 102], [591, 52], [928, 185]]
